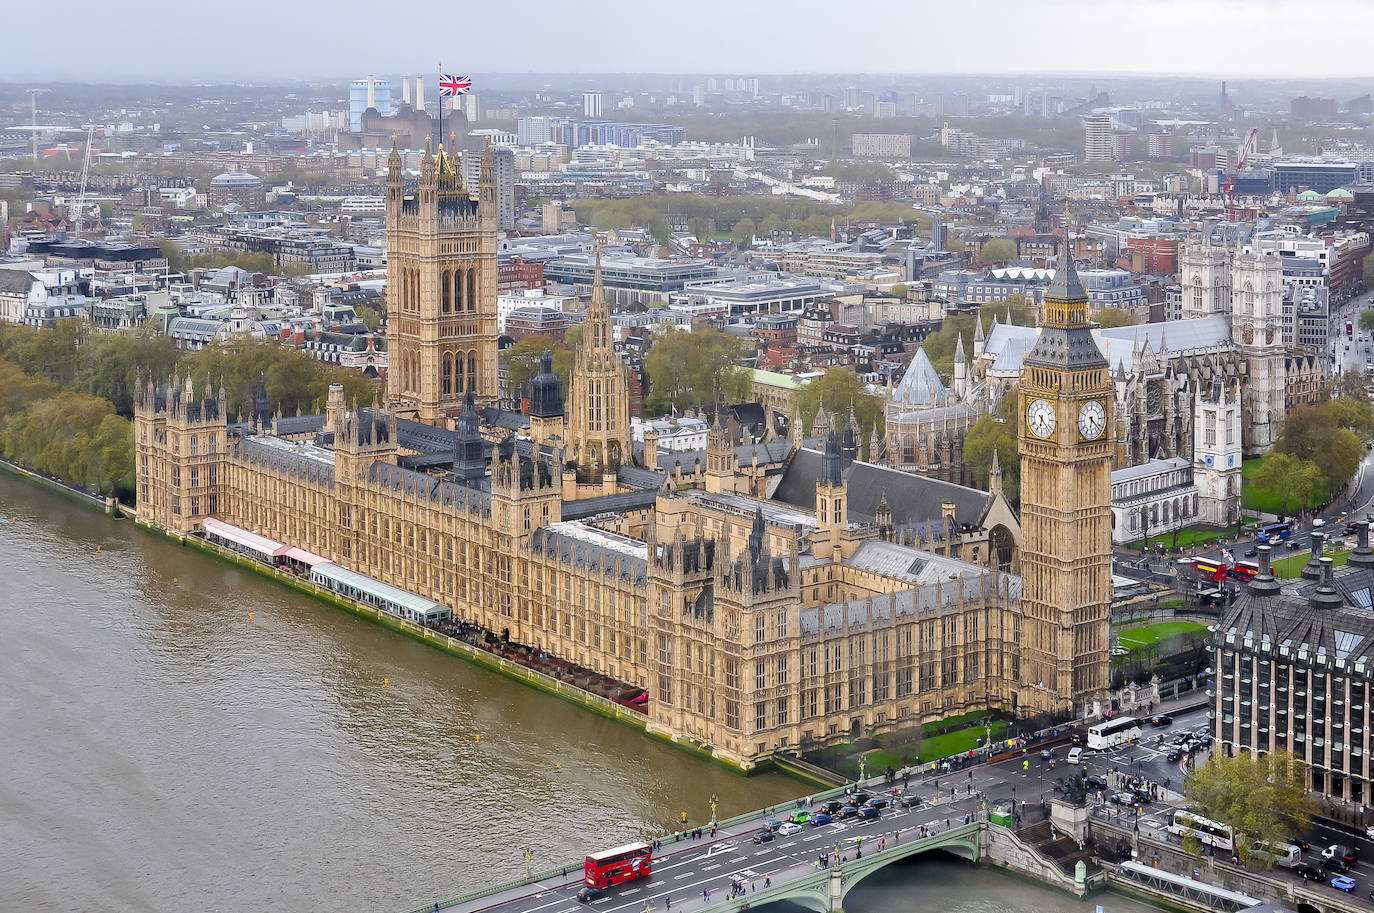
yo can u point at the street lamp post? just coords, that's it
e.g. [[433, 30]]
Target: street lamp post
[[863, 768]]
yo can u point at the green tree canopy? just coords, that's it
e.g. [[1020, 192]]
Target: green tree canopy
[[1116, 317], [694, 369], [1311, 433], [1367, 317], [996, 434], [997, 250], [1292, 480], [1350, 383], [76, 437], [1260, 797], [295, 380], [1353, 412], [841, 390], [522, 361], [743, 232]]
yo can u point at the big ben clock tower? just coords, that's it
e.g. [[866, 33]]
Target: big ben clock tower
[[1066, 463]]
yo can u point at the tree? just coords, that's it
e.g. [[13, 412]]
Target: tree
[[990, 435], [1311, 433], [1116, 317], [1350, 383], [900, 290], [1260, 797], [700, 227], [522, 361], [996, 250], [691, 369], [743, 233], [1293, 480], [840, 390], [1352, 412], [770, 225], [1367, 317]]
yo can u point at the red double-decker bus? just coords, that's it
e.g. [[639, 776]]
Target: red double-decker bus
[[624, 863], [1217, 571], [1207, 569]]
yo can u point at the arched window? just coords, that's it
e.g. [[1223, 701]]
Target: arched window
[[445, 287], [458, 303], [472, 290], [472, 371], [447, 373]]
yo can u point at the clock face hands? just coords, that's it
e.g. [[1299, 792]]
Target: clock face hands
[[1092, 420], [1040, 418]]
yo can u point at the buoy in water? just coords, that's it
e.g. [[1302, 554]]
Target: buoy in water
[[386, 683]]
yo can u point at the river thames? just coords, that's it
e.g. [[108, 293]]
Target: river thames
[[181, 735]]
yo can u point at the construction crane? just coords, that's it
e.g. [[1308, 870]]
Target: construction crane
[[85, 176], [1228, 187]]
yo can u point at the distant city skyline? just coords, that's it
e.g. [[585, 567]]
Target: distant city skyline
[[313, 40]]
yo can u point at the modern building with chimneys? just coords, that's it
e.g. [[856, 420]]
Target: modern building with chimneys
[[1294, 669]]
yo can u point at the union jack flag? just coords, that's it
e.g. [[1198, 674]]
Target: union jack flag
[[450, 85], [1228, 555]]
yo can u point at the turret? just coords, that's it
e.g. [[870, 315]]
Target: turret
[[546, 403]]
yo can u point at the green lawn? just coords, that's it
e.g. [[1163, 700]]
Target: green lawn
[[1143, 635], [1292, 565], [933, 748], [1187, 537], [1255, 498]]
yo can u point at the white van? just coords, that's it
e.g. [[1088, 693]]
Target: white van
[[1075, 755]]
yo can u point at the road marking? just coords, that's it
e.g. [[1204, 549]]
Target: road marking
[[711, 868], [683, 875]]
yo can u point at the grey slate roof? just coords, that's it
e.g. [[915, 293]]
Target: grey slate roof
[[627, 500], [1288, 617], [16, 281], [921, 384], [914, 499]]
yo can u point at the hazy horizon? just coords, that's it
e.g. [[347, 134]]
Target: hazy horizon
[[258, 41]]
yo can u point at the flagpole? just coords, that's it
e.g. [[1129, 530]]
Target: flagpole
[[439, 96]]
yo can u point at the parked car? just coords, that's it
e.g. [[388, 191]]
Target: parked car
[[763, 836], [772, 825], [821, 818], [800, 817], [1182, 738], [589, 893], [1343, 883], [788, 828], [831, 806], [1175, 755], [878, 802], [1123, 798], [1095, 781], [868, 813], [859, 798], [1308, 872], [847, 811]]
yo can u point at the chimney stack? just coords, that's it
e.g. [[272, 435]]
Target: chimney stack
[[1362, 556], [1325, 595], [419, 93], [1312, 569], [1264, 583], [405, 89]]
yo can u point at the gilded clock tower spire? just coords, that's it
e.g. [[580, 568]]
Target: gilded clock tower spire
[[1066, 464]]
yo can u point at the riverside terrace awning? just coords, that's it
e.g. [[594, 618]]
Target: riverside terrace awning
[[309, 559], [241, 540]]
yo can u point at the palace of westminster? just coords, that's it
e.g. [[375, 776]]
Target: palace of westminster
[[785, 594]]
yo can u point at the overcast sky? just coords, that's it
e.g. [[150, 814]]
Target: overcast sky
[[193, 41]]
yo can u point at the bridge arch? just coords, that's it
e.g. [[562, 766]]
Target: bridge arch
[[1304, 907], [965, 847]]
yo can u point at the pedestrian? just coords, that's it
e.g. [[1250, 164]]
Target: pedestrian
[[705, 893], [767, 882], [667, 902]]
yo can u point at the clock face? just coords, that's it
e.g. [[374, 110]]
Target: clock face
[[1092, 420], [1040, 418]]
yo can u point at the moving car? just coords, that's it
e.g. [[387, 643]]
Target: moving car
[[907, 800], [1161, 720], [847, 811], [1095, 781], [1341, 851], [1339, 866], [832, 806], [868, 813], [800, 817], [588, 894], [1318, 522], [821, 818], [878, 802], [1123, 798], [789, 828], [1343, 883], [1308, 872], [763, 836], [1175, 755]]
